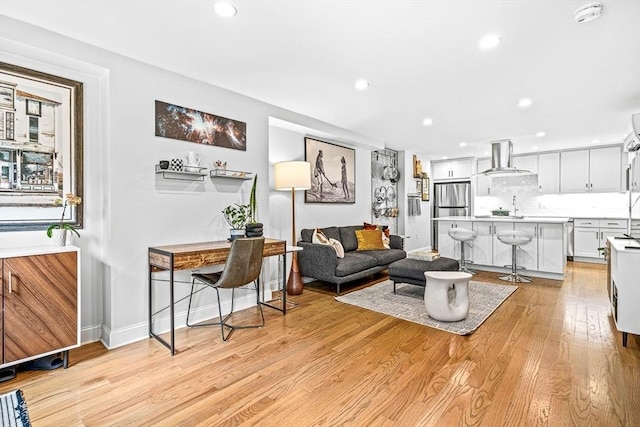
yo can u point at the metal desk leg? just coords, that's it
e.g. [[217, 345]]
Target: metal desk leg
[[172, 309]]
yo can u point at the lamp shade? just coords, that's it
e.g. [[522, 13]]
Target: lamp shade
[[294, 175]]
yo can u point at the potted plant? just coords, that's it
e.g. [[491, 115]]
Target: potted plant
[[58, 231], [253, 227], [237, 217]]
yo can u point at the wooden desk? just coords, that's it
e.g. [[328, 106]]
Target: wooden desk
[[189, 256]]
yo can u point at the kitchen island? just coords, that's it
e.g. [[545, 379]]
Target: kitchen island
[[545, 256]]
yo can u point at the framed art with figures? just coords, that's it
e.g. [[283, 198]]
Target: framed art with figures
[[333, 175]]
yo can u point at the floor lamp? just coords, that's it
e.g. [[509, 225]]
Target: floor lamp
[[292, 176]]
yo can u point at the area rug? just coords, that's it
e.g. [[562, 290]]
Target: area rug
[[408, 304], [13, 410]]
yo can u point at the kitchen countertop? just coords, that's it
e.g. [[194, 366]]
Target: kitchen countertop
[[486, 218]]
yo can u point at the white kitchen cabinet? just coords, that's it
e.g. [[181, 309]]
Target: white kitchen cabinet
[[528, 254], [551, 254], [591, 171], [589, 234], [451, 169], [483, 182], [483, 244], [624, 292], [634, 185], [549, 173], [574, 171], [501, 251], [528, 162], [450, 248]]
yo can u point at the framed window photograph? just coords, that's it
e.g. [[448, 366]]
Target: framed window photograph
[[41, 151], [333, 175]]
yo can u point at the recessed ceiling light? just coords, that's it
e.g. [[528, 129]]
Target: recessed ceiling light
[[489, 42], [225, 9], [525, 102], [541, 134], [535, 147], [427, 122], [595, 141], [463, 144], [486, 153], [444, 157], [588, 12], [362, 84]]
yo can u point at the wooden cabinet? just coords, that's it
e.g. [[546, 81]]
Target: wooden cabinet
[[40, 299], [597, 170], [451, 169]]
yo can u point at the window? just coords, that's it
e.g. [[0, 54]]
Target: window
[[9, 126], [33, 107], [33, 129]]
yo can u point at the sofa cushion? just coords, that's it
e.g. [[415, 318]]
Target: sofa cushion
[[415, 268], [386, 256], [348, 237], [354, 262], [369, 240]]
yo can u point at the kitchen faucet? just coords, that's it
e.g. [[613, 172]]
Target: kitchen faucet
[[515, 206]]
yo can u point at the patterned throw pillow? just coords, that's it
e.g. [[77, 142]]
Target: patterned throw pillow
[[319, 237], [369, 240], [338, 247]]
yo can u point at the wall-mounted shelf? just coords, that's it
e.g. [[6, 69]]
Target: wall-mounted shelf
[[230, 174], [195, 173]]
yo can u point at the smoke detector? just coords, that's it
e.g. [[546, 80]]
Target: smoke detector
[[588, 12]]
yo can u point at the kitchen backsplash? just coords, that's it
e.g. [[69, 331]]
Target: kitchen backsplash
[[531, 203]]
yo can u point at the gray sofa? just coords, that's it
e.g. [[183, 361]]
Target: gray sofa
[[321, 262]]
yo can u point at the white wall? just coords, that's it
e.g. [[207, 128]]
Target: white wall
[[127, 206]]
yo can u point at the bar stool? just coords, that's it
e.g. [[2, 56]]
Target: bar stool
[[514, 238], [436, 295], [463, 235]]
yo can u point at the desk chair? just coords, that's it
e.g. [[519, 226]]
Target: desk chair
[[242, 267]]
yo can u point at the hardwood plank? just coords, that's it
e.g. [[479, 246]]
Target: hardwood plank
[[549, 355]]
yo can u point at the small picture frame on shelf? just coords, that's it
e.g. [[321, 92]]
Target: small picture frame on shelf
[[419, 186]]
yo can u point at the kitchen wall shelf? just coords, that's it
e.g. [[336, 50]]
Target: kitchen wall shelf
[[196, 173], [230, 174]]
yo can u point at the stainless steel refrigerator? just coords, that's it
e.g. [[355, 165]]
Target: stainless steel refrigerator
[[450, 199]]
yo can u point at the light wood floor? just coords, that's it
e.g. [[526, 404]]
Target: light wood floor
[[548, 356]]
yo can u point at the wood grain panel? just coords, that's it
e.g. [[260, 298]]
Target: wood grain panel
[[194, 255], [550, 355], [40, 312]]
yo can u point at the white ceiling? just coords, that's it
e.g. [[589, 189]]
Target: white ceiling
[[421, 57]]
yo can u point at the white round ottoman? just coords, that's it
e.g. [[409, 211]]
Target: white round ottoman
[[436, 295]]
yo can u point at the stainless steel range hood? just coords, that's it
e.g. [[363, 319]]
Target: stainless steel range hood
[[502, 159]]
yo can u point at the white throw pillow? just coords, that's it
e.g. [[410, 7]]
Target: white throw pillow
[[338, 247], [319, 237]]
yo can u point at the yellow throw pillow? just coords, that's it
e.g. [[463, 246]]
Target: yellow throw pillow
[[369, 240]]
